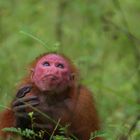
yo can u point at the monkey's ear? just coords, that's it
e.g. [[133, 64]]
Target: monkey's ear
[[72, 76], [32, 73]]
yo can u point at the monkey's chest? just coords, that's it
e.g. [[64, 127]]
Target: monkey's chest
[[52, 110]]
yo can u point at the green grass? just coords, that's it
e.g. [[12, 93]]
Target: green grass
[[96, 35]]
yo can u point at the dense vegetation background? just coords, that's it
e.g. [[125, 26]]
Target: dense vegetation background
[[102, 38]]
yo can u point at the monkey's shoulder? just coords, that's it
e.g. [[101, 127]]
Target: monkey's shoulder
[[85, 96], [83, 90]]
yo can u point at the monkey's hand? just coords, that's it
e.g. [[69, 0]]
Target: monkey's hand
[[22, 104]]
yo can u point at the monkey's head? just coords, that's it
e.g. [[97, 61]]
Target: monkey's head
[[53, 72]]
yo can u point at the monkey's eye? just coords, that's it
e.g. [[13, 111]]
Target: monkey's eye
[[46, 64], [60, 65]]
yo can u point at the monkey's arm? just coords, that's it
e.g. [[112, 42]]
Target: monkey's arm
[[7, 120], [85, 118]]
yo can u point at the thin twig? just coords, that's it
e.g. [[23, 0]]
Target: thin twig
[[34, 37], [5, 107], [58, 122]]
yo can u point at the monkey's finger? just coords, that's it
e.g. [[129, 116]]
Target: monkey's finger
[[23, 91], [20, 101], [22, 115], [22, 108]]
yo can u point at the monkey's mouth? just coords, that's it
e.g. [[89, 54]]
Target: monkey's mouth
[[50, 77], [50, 81]]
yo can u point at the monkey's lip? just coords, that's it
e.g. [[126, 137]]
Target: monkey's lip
[[50, 77]]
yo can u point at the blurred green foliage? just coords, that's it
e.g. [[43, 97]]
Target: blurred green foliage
[[102, 38]]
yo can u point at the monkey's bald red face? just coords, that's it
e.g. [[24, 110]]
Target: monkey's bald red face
[[52, 73]]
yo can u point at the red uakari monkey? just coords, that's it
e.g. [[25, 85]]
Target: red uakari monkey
[[52, 88]]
